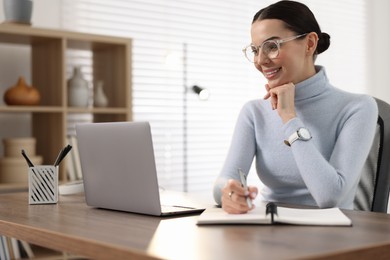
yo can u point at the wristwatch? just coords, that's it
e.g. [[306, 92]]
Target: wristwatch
[[301, 134]]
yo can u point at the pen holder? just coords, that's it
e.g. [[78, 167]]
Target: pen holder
[[43, 184]]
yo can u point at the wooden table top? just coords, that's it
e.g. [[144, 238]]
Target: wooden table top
[[74, 227]]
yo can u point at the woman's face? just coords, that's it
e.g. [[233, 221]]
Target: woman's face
[[295, 60]]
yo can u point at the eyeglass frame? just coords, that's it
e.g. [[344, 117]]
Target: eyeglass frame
[[277, 42]]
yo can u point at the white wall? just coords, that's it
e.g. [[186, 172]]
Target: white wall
[[378, 41]]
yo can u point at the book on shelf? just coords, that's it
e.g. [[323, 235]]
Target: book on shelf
[[4, 253], [25, 249], [70, 167], [70, 170], [270, 213], [15, 248], [12, 248], [73, 161], [76, 157]]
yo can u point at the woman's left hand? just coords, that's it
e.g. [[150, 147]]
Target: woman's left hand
[[282, 99]]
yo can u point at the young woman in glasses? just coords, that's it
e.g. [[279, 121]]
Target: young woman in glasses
[[310, 139]]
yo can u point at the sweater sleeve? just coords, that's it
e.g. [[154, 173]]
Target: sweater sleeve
[[330, 181], [240, 154]]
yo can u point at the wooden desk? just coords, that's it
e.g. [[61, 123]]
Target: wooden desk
[[72, 226]]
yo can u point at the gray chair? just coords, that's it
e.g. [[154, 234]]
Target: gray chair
[[374, 185]]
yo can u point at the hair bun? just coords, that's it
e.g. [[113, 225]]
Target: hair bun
[[323, 42]]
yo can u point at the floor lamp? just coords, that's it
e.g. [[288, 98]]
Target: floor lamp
[[203, 94]]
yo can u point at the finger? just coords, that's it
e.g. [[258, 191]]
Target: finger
[[238, 204], [267, 88], [234, 197], [236, 187], [274, 101], [234, 202], [233, 207], [274, 94], [253, 191]]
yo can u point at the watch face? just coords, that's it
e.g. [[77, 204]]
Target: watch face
[[304, 134]]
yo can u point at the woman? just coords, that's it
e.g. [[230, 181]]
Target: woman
[[310, 139]]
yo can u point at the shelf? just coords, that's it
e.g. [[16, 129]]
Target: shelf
[[52, 109], [98, 110], [111, 63], [23, 34], [33, 109], [110, 59]]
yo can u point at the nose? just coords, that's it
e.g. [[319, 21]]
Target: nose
[[261, 59]]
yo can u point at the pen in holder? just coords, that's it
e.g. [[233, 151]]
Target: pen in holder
[[43, 184], [43, 179]]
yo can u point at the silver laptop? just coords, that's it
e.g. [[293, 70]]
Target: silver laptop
[[119, 170]]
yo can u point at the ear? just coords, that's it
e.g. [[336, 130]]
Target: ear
[[312, 41]]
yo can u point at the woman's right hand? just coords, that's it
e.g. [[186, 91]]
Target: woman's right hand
[[282, 99], [234, 197]]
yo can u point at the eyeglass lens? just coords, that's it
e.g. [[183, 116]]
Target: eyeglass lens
[[269, 49]]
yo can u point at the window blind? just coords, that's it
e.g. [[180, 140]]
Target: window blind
[[178, 44]]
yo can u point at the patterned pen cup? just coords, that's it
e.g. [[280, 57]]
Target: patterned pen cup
[[43, 184]]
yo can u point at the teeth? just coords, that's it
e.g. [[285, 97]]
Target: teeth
[[271, 72]]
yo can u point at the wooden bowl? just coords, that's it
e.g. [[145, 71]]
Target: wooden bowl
[[13, 146], [15, 170]]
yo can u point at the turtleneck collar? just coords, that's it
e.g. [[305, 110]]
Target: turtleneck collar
[[312, 86]]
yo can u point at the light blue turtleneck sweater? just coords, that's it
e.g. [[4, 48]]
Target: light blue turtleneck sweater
[[323, 171]]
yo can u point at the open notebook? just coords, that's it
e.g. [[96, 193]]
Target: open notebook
[[272, 214]]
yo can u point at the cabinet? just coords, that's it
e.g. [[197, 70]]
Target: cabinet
[[111, 63]]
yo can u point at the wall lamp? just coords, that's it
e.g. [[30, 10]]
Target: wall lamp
[[203, 93]]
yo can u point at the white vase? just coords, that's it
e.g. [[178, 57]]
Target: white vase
[[99, 97], [78, 91]]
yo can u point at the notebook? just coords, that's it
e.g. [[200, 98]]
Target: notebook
[[119, 170], [270, 213]]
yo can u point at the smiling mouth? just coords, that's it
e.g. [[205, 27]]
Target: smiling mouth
[[271, 73]]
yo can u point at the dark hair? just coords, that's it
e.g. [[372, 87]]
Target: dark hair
[[298, 18]]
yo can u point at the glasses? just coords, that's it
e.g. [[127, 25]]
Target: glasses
[[270, 48]]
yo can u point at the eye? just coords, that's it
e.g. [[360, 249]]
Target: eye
[[269, 47], [254, 50]]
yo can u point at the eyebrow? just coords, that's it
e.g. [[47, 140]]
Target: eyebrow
[[272, 38], [268, 39]]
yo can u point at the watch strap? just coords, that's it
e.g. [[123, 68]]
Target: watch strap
[[296, 136], [292, 138]]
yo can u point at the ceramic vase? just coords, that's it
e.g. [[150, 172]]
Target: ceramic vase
[[78, 91], [22, 94], [99, 97], [18, 11]]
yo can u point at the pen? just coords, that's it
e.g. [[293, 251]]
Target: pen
[[62, 154], [243, 183], [58, 156], [30, 164]]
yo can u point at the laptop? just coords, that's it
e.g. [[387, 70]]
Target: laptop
[[119, 170]]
